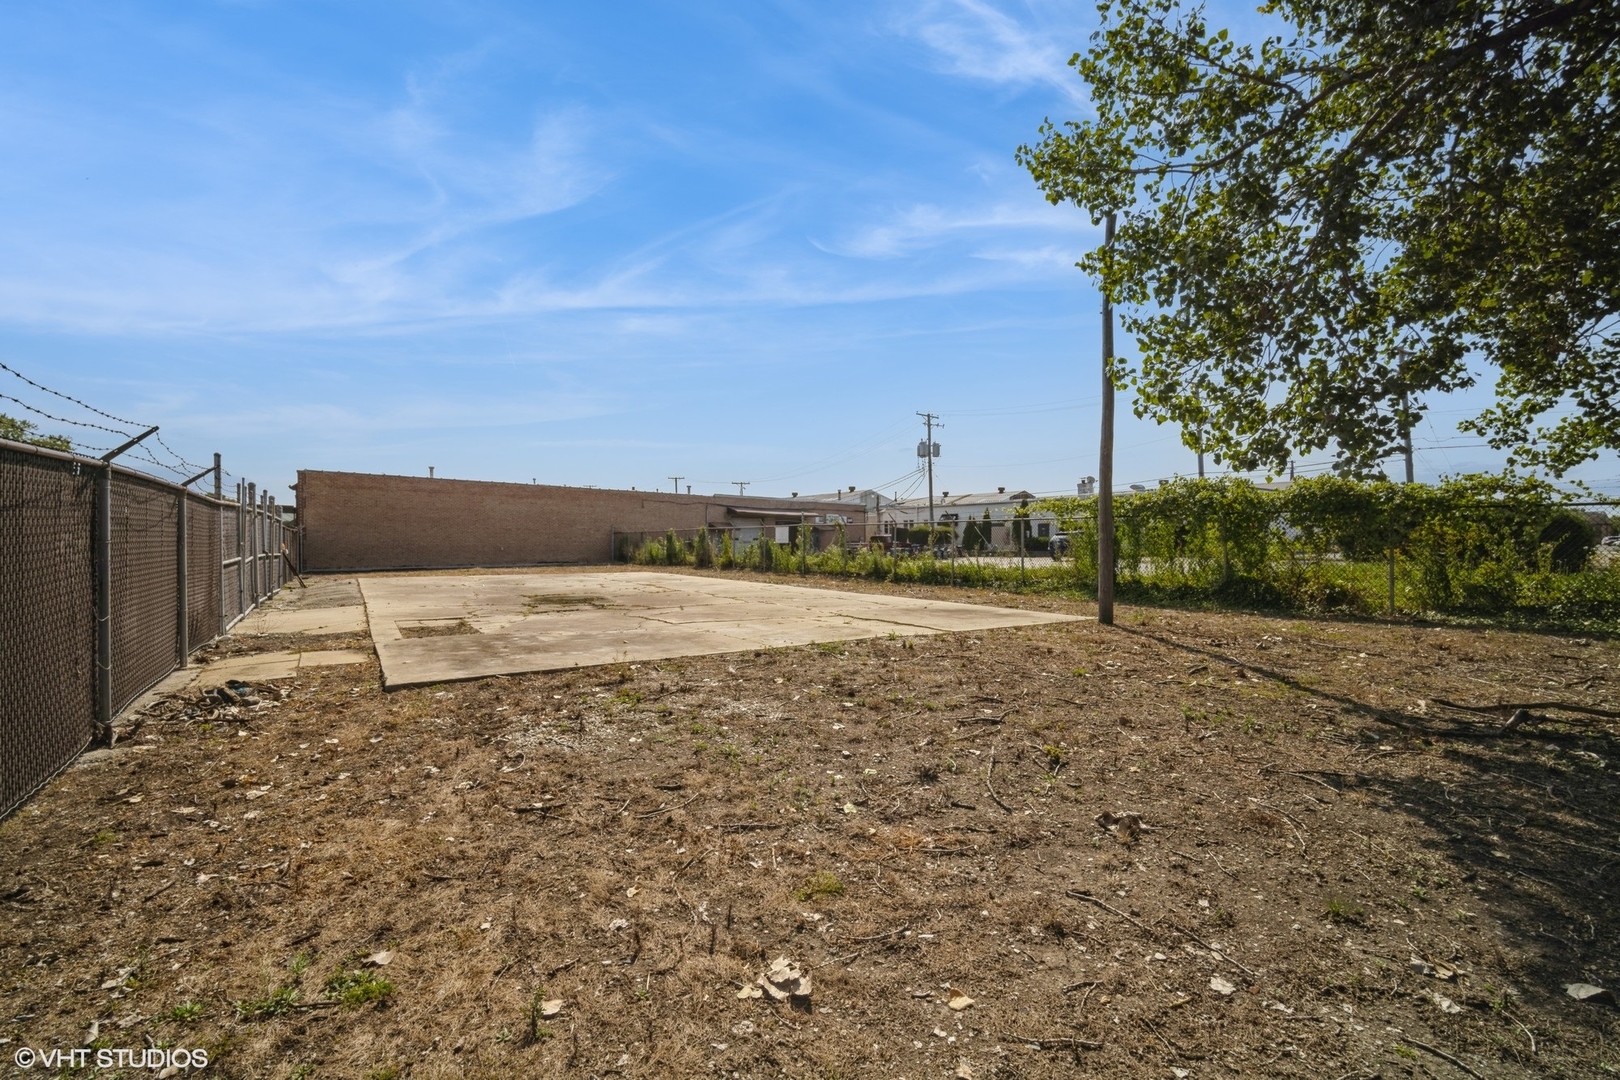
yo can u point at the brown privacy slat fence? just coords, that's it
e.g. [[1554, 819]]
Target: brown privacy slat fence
[[180, 569]]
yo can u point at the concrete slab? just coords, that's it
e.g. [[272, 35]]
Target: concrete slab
[[295, 620], [327, 605], [270, 665], [442, 628]]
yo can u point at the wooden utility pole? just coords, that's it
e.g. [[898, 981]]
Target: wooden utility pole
[[1406, 440], [927, 451], [1105, 464]]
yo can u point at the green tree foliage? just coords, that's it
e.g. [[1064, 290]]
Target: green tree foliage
[[1322, 226], [25, 431], [1481, 544], [976, 533]]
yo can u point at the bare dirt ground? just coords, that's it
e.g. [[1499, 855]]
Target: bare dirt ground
[[1309, 872]]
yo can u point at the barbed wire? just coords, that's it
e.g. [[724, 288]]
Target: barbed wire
[[186, 468], [62, 419], [190, 466], [69, 397]]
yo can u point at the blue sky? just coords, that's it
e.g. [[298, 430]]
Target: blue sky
[[588, 244]]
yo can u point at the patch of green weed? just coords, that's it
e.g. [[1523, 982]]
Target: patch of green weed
[[821, 883], [353, 987]]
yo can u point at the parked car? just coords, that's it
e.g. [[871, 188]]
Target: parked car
[[1058, 547], [1611, 541]]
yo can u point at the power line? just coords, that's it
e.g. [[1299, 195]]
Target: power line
[[1069, 405], [837, 459]]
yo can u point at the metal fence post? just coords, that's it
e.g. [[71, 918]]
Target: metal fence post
[[103, 586], [241, 548], [276, 546], [252, 549], [266, 574], [219, 530], [181, 529], [1392, 583], [219, 527]]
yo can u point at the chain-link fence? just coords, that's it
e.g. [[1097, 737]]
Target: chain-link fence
[[1514, 553], [109, 579], [729, 542], [47, 618]]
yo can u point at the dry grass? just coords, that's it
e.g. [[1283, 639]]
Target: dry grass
[[898, 815]]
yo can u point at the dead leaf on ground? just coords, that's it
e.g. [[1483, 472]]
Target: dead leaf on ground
[[1124, 826], [1585, 991], [784, 979]]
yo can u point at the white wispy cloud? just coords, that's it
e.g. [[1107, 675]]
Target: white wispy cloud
[[978, 40], [310, 210], [919, 227]]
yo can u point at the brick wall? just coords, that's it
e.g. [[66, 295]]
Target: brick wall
[[367, 521]]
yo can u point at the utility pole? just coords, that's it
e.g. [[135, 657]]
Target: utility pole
[[1406, 439], [1200, 451], [677, 480], [928, 449], [741, 484], [1105, 463]]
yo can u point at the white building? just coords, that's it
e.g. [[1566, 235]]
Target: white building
[[1000, 507]]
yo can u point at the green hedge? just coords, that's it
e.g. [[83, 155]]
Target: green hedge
[[1486, 545]]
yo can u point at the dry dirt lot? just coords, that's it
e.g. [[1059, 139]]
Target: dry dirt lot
[[1314, 868]]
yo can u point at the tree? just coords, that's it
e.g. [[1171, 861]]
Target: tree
[[1322, 227], [24, 431]]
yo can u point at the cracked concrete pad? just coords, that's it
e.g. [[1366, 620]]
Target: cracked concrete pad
[[324, 606], [333, 620], [550, 622], [270, 665]]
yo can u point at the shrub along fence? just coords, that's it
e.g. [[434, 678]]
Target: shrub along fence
[[1484, 546], [109, 579], [1488, 547]]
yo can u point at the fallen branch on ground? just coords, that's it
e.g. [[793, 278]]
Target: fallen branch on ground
[[1053, 1043], [1151, 932], [988, 772], [1439, 1053], [982, 719], [667, 809], [1585, 710]]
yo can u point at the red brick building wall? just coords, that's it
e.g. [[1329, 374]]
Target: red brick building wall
[[367, 521]]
